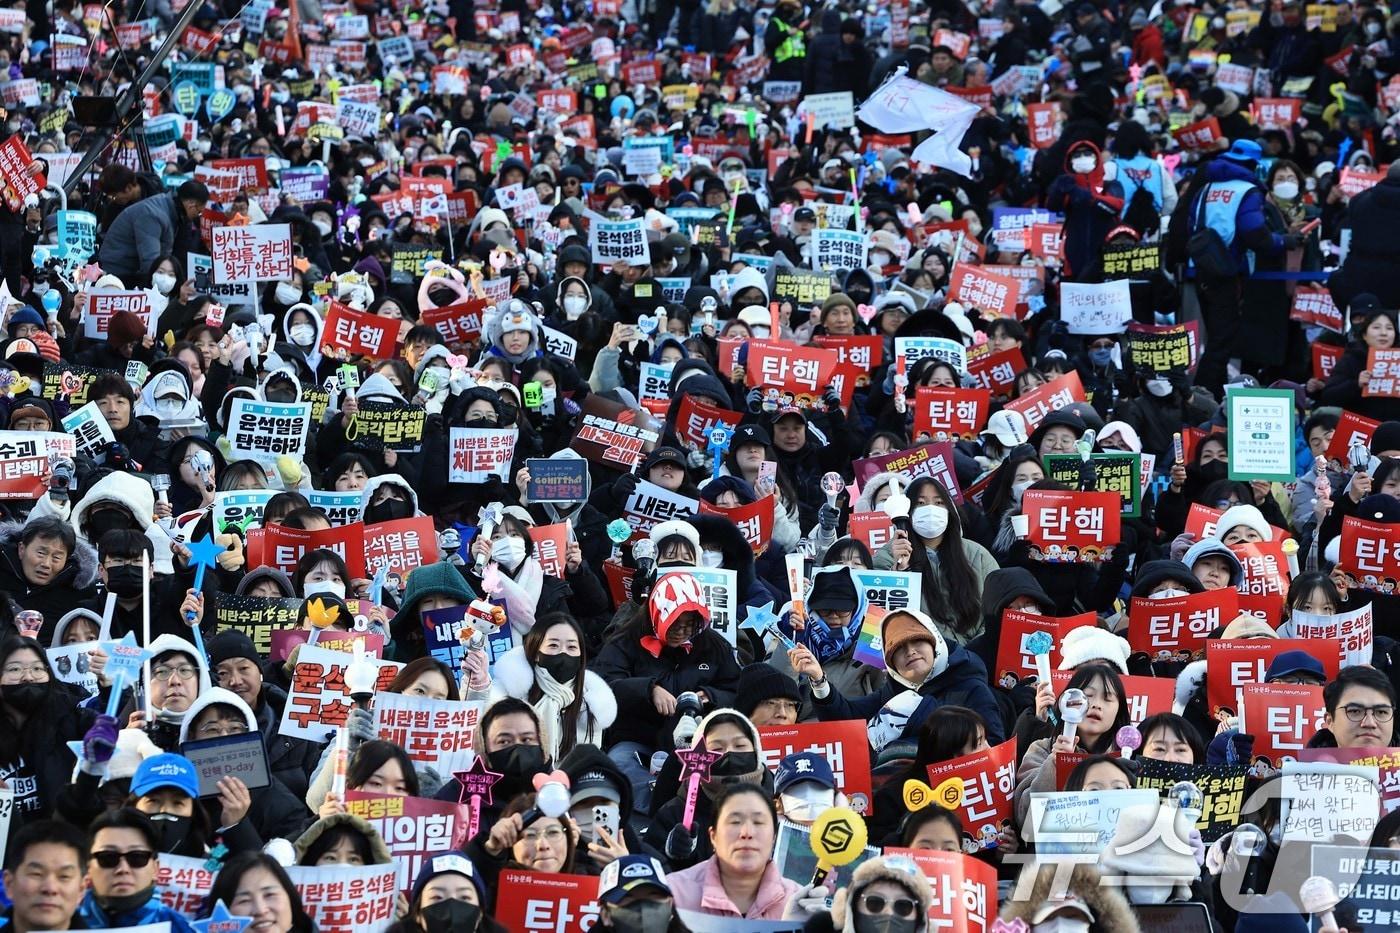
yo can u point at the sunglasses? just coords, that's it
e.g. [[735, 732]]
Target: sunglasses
[[875, 904], [136, 858]]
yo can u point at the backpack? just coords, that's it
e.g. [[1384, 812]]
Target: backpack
[[1207, 248]]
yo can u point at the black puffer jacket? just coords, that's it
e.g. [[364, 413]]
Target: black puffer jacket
[[73, 586]]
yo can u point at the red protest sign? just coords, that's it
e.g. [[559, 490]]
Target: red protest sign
[[1072, 527], [992, 292], [281, 547], [695, 418], [1043, 123], [863, 351], [400, 545], [1313, 304], [1384, 367], [950, 412], [1324, 360], [348, 332], [607, 436], [1351, 429], [644, 72], [1281, 717], [1232, 664], [1201, 519], [1179, 623], [1353, 181], [793, 375], [1042, 400], [873, 529], [989, 778], [934, 460], [1370, 554], [1017, 627], [619, 580], [997, 371], [843, 743], [1264, 585], [457, 323], [19, 174], [1203, 134], [541, 902], [754, 520], [964, 888], [414, 829], [551, 547], [1143, 696], [1047, 240], [1276, 113], [252, 173]]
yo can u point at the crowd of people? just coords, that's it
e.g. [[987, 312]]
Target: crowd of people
[[699, 466]]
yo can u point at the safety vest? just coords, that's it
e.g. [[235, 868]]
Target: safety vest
[[1223, 200], [793, 45], [1140, 172]]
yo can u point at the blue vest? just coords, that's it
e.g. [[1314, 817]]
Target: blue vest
[[1140, 172], [1223, 200]]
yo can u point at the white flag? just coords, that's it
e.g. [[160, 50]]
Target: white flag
[[904, 105]]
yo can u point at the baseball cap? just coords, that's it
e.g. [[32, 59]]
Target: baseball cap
[[1295, 662], [167, 770], [750, 434], [664, 455], [592, 784], [788, 410], [628, 873], [804, 214], [1008, 427], [803, 766]]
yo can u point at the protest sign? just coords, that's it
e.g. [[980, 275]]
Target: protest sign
[[695, 418], [1017, 627], [1261, 434], [400, 546], [1353, 630], [1167, 626], [1384, 369], [608, 437], [1264, 581], [1233, 664], [754, 520], [955, 413], [342, 508], [1096, 309], [478, 454], [622, 241], [24, 459], [649, 505], [72, 664], [1072, 527], [347, 898], [551, 547], [281, 547], [1043, 122], [1313, 304], [1385, 759], [935, 460], [1351, 429], [91, 432], [721, 589], [873, 529], [863, 351], [989, 780], [805, 288], [1163, 348], [1324, 360], [1113, 471], [457, 323], [77, 235], [992, 292], [542, 902], [1365, 878], [435, 733], [241, 510], [844, 745], [1131, 262], [556, 479], [794, 859], [267, 430], [285, 641], [913, 349], [19, 174], [318, 699], [1080, 822], [997, 371], [348, 332], [1223, 786], [791, 376], [413, 828], [838, 250], [836, 109], [1282, 717], [98, 306], [241, 756], [183, 882], [258, 617], [1323, 801], [964, 888], [257, 252], [1052, 396], [442, 629], [392, 425], [889, 589]]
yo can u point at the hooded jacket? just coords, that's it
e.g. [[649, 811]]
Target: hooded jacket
[[378, 850], [841, 918], [835, 650], [1000, 589], [1091, 207], [166, 644], [957, 679], [586, 758], [75, 583], [513, 676], [388, 479]]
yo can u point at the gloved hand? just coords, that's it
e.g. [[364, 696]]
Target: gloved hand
[[460, 381], [100, 741], [685, 730], [1198, 845], [827, 517], [623, 487], [754, 400], [361, 725], [430, 782], [831, 399], [807, 901], [695, 459]]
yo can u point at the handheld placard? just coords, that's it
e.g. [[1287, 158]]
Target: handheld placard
[[476, 783], [838, 838]]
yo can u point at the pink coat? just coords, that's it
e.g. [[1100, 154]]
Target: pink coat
[[698, 888]]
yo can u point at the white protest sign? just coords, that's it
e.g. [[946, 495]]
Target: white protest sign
[[654, 384], [347, 898], [838, 249], [72, 664], [435, 733], [650, 505], [90, 429], [242, 508], [1105, 308], [341, 508], [267, 430], [836, 109], [318, 699], [477, 454], [1323, 801], [914, 349], [559, 343], [259, 253], [619, 241], [1081, 822], [102, 304], [1353, 629], [640, 161], [890, 589]]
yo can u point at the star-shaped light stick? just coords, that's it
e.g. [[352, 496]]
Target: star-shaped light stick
[[476, 783], [124, 662], [221, 921], [203, 553], [762, 620], [695, 770]]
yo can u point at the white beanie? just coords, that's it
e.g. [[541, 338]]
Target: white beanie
[[1243, 515], [1091, 643], [672, 528], [1125, 431]]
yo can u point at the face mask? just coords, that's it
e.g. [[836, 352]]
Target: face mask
[[452, 916], [760, 333], [164, 283], [574, 306], [563, 668], [1018, 490], [508, 551], [168, 407], [24, 697], [712, 559], [885, 923], [1083, 165], [1286, 190], [1373, 29], [735, 764], [287, 293], [387, 511], [172, 830], [520, 762], [323, 227], [641, 917], [125, 581], [302, 334], [879, 260], [1159, 387], [929, 521], [333, 587], [1101, 356], [1168, 594]]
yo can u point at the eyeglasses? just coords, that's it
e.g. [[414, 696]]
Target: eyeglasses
[[20, 670], [781, 706], [136, 858], [554, 835], [1357, 713], [184, 672], [875, 904]]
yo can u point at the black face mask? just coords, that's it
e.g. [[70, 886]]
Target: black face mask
[[735, 764], [641, 917], [99, 523], [387, 511], [116, 906], [518, 763], [24, 697], [562, 667], [171, 829], [885, 923], [125, 581], [452, 916], [1215, 470]]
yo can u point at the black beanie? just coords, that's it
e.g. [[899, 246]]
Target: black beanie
[[833, 590], [231, 643], [1386, 437], [762, 681]]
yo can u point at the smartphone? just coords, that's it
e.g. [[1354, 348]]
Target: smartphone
[[605, 816], [768, 469]]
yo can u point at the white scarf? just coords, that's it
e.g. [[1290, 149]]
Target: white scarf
[[550, 708], [521, 591]]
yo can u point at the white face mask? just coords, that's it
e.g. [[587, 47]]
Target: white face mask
[[302, 334], [1159, 387], [1286, 190], [323, 227], [574, 306], [879, 260], [168, 407], [287, 293], [1373, 29], [333, 587], [930, 521], [508, 551], [760, 333], [1167, 594], [1083, 165], [1018, 490], [163, 282], [712, 559]]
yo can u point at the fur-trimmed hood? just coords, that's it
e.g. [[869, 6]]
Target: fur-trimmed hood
[[1189, 682], [387, 479], [83, 558], [123, 489], [377, 849], [513, 676], [896, 869], [1112, 914], [866, 501]]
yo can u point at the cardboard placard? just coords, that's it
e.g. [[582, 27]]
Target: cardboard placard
[[842, 743], [1072, 527]]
